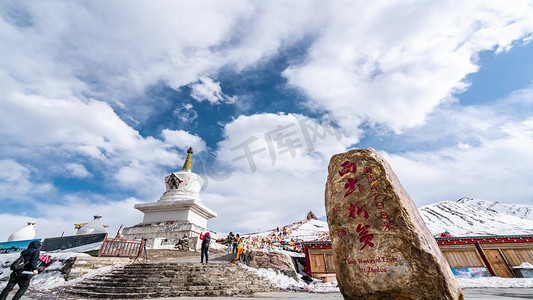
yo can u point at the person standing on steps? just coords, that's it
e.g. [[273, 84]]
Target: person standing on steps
[[31, 256], [230, 241], [206, 239], [236, 241], [240, 249]]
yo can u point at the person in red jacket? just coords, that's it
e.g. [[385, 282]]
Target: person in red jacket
[[206, 239]]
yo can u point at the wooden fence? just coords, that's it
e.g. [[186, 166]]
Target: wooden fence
[[122, 248]]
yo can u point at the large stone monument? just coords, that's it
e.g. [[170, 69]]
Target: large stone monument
[[382, 248], [179, 212]]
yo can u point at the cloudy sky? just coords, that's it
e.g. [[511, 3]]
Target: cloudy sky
[[100, 100]]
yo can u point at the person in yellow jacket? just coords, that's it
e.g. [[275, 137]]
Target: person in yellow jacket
[[241, 250]]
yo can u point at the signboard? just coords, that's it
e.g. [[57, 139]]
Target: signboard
[[15, 246], [73, 241], [470, 272]]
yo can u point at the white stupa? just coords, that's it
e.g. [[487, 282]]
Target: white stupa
[[178, 212], [26, 233], [93, 227]]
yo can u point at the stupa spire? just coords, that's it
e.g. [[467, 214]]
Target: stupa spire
[[187, 166]]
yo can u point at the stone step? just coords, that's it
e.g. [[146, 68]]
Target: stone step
[[171, 271], [167, 271], [110, 295], [180, 265], [90, 294], [221, 284], [157, 276], [172, 280], [141, 273], [167, 288], [198, 270], [178, 292]]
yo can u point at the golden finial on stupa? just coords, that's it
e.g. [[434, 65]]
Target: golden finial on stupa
[[187, 166]]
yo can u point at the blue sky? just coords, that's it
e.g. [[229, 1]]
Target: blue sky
[[99, 101]]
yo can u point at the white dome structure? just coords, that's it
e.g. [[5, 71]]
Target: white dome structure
[[95, 226], [26, 233], [179, 212]]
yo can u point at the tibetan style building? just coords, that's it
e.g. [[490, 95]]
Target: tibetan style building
[[179, 212]]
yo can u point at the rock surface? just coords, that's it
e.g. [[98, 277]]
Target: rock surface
[[271, 260], [382, 248]]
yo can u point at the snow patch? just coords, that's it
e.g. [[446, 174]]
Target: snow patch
[[495, 282], [290, 284]]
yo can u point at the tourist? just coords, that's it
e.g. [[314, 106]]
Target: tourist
[[236, 241], [31, 256], [240, 249], [230, 241], [206, 239]]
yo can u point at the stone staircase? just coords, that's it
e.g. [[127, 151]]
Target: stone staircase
[[170, 279]]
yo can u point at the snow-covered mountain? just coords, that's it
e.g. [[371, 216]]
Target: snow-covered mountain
[[518, 210], [461, 219], [464, 217], [303, 230]]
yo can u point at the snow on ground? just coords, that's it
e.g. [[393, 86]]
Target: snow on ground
[[290, 284], [495, 282], [51, 277]]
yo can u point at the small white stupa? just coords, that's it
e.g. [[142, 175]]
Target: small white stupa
[[26, 233], [93, 227], [179, 212]]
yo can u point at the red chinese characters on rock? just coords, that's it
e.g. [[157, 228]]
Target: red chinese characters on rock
[[387, 226], [351, 183], [380, 205], [360, 209], [364, 236], [335, 212], [357, 209], [348, 167], [342, 233]]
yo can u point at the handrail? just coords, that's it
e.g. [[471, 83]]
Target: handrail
[[113, 247]]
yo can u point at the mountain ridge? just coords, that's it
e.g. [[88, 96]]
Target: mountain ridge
[[461, 219], [519, 210]]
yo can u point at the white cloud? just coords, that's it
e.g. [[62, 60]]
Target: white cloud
[[183, 139], [185, 113], [386, 62], [497, 169], [60, 128], [482, 151], [394, 62], [16, 181], [207, 89], [283, 187], [77, 170]]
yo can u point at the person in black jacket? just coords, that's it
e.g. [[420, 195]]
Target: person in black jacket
[[206, 239], [31, 255]]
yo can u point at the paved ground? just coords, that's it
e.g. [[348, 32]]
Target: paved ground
[[470, 294]]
